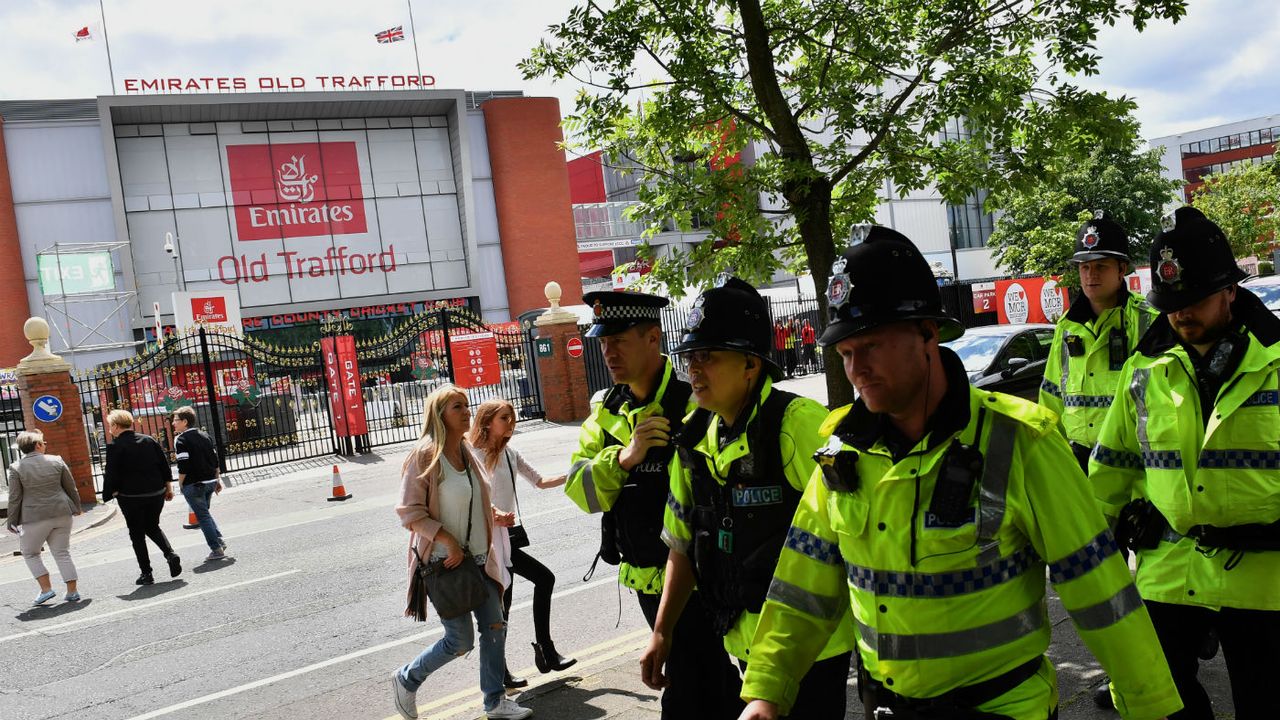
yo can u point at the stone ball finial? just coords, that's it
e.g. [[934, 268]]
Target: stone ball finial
[[553, 293], [554, 314], [40, 360], [37, 331]]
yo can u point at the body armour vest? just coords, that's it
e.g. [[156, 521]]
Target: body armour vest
[[739, 527], [631, 531]]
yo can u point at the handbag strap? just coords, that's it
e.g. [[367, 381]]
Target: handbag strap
[[471, 504], [514, 494]]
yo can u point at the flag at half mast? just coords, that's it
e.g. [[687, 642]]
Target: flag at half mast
[[395, 34]]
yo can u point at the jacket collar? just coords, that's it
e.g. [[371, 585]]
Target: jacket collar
[[621, 395], [1081, 310], [862, 428], [1247, 310]]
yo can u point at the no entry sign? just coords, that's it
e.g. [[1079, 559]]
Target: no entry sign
[[574, 346]]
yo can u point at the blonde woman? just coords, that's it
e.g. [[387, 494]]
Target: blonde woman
[[491, 431], [445, 506], [42, 500]]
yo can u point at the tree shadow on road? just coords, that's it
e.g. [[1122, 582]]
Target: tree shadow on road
[[146, 592], [44, 612], [212, 565]]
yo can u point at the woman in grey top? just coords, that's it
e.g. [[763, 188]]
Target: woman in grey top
[[42, 500]]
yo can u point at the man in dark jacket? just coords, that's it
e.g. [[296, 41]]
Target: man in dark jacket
[[198, 475], [137, 475]]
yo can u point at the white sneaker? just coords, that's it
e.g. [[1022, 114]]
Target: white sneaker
[[406, 702], [507, 710]]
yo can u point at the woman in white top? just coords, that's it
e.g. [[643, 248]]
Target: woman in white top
[[445, 506], [491, 431]]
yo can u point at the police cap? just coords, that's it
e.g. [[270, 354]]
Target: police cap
[[613, 312], [1190, 260], [731, 316], [882, 278], [1099, 238]]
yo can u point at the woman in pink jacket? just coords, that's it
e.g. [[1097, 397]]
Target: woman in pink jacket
[[445, 505]]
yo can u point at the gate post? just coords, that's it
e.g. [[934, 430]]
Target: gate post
[[43, 375], [565, 393]]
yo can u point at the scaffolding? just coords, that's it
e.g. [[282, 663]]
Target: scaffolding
[[67, 305]]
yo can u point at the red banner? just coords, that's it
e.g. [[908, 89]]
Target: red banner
[[296, 190], [475, 359], [1030, 300], [342, 377], [984, 297]]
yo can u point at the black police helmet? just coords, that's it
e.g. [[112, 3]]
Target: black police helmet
[[617, 311], [1100, 238], [1190, 260], [730, 316], [882, 278]]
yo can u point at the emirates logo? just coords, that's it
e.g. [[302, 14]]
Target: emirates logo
[[293, 183], [209, 307]]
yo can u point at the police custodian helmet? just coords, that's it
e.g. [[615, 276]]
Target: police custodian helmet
[[613, 312], [882, 278], [1099, 238], [1190, 260], [731, 316]]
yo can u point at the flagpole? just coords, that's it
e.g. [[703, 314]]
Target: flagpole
[[107, 41], [414, 31]]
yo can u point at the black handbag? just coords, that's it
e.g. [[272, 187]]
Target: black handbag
[[455, 591], [516, 533]]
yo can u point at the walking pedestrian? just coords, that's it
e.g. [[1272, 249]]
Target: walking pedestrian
[[789, 343], [445, 506], [42, 501], [199, 476], [491, 431], [809, 338], [137, 476]]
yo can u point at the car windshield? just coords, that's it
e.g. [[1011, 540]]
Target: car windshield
[[1269, 292], [976, 351]]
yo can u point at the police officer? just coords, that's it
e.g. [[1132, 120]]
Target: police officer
[[621, 470], [1186, 461], [937, 509], [1095, 337], [744, 459]]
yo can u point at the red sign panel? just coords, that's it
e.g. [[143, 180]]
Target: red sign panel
[[296, 190], [984, 297], [209, 309], [1030, 300], [342, 377], [475, 359], [574, 346]]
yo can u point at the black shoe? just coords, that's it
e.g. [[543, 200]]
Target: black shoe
[[175, 565], [511, 682], [548, 660], [1209, 646], [1102, 695], [144, 579]]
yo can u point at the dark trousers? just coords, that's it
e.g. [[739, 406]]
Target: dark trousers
[[142, 516], [544, 582], [704, 683], [1249, 641], [822, 693]]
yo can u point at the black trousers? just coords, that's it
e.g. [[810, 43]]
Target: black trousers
[[823, 690], [142, 516], [704, 682], [544, 582], [1249, 638]]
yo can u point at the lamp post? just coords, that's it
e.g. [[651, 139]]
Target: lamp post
[[174, 248]]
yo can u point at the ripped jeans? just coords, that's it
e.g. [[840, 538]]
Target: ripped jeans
[[458, 640]]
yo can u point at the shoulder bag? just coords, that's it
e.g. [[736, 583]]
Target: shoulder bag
[[516, 533], [453, 591]]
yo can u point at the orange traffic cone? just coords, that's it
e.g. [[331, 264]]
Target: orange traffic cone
[[192, 522], [339, 492]]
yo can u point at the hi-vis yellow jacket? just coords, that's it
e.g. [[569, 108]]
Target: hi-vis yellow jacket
[[1080, 388], [937, 608], [1155, 444], [595, 478]]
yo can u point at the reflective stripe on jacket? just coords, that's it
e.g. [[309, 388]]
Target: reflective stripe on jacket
[[1080, 389], [938, 607]]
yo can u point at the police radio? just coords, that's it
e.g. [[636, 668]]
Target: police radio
[[1075, 346], [953, 493], [1117, 348], [839, 466]]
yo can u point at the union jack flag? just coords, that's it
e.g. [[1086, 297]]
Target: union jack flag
[[395, 34]]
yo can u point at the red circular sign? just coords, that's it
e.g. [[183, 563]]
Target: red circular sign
[[574, 346]]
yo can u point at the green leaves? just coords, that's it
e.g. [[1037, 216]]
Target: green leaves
[[1243, 201]]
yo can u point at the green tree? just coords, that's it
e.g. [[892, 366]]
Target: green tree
[[1036, 232], [844, 96], [1244, 201]]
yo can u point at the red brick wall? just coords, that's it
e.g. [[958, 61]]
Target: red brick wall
[[565, 394], [13, 286], [66, 436], [531, 192]]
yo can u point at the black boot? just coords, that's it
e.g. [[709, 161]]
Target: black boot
[[548, 660], [1102, 695], [144, 579], [511, 682], [1208, 646]]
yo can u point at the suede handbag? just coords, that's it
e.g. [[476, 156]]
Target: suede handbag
[[455, 591]]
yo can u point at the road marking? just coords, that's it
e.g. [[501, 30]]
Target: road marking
[[60, 626], [617, 647], [342, 658]]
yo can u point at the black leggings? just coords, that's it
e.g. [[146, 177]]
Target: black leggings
[[142, 516], [544, 582]]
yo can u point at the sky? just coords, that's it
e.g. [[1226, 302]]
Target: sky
[[1220, 64]]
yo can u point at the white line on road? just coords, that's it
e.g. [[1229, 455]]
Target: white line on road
[[48, 628], [340, 659]]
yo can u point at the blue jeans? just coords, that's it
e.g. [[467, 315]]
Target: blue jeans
[[458, 640], [198, 496]]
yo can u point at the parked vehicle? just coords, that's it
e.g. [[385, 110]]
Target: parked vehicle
[[1267, 288], [1005, 358]]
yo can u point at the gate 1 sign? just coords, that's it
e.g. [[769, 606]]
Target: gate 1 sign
[[475, 359], [342, 377]]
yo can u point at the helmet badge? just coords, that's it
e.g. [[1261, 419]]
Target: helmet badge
[[1090, 240], [1169, 269], [838, 291], [598, 309]]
